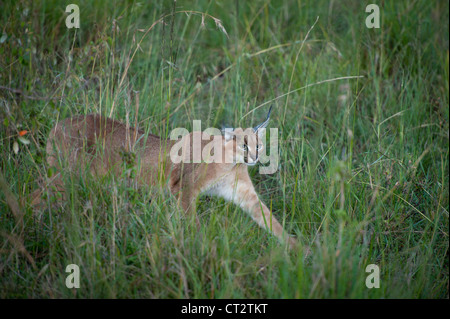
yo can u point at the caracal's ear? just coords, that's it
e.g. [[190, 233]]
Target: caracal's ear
[[262, 127], [228, 133], [261, 132]]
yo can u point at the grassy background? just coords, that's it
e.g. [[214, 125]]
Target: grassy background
[[363, 176]]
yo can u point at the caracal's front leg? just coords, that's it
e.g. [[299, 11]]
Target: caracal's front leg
[[242, 193]]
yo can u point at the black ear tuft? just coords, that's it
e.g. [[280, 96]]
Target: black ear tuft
[[264, 124]]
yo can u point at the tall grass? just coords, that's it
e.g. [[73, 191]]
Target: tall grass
[[363, 176]]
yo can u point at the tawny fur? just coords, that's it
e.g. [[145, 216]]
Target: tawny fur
[[99, 143]]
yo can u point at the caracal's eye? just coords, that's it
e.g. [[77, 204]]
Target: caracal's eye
[[259, 146], [244, 147]]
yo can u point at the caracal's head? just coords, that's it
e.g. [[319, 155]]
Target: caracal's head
[[245, 146]]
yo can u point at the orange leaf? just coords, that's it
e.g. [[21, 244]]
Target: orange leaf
[[22, 133]]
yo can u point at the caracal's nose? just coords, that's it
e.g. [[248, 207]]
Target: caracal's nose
[[252, 159]]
